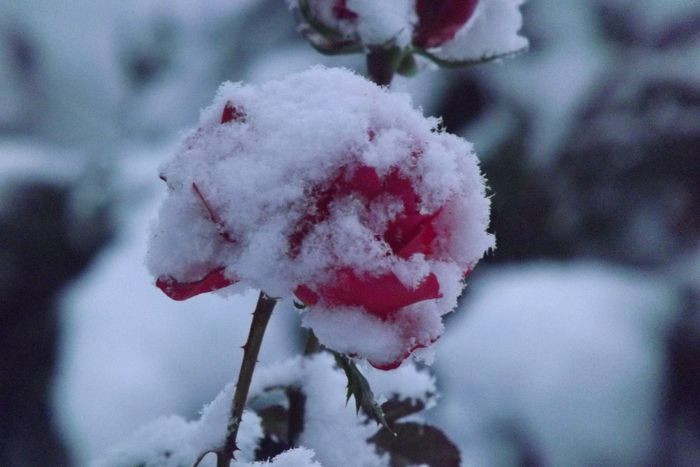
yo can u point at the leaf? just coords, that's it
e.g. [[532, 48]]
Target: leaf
[[396, 408], [358, 387], [417, 444], [275, 421]]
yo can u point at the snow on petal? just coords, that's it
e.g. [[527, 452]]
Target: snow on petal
[[492, 31]]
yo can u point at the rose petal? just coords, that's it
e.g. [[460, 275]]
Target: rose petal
[[381, 295], [422, 239], [439, 20], [231, 113], [177, 290], [407, 235]]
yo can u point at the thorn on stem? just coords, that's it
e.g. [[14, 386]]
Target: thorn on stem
[[201, 457]]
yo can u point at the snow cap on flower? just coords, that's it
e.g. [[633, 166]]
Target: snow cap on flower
[[328, 187], [455, 31]]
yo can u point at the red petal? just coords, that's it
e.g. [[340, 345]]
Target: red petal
[[176, 290], [379, 295], [439, 20], [341, 11], [421, 241], [366, 181], [230, 113], [306, 295]]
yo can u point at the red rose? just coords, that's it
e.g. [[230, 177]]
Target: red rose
[[380, 295], [356, 205]]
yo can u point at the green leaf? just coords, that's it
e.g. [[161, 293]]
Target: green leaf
[[417, 444], [358, 387]]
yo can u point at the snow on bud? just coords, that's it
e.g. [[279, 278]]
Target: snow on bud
[[330, 188], [446, 31]]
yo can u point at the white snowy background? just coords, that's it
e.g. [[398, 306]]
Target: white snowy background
[[559, 350]]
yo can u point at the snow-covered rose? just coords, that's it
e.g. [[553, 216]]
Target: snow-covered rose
[[328, 187], [450, 30]]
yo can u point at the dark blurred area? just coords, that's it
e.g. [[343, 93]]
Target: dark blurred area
[[590, 142]]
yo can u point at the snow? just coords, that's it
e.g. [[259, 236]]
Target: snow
[[333, 433], [563, 359], [172, 441], [25, 160], [239, 193], [383, 22]]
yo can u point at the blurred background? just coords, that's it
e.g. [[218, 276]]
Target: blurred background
[[577, 341]]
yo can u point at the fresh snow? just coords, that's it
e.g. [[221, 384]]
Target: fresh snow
[[333, 433]]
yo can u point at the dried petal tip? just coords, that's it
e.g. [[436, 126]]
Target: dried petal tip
[[230, 113]]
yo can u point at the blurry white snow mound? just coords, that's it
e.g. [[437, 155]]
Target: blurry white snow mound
[[329, 187], [26, 160], [173, 442], [555, 364], [333, 432]]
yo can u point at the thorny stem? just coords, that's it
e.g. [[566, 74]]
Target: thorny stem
[[251, 349], [380, 65]]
